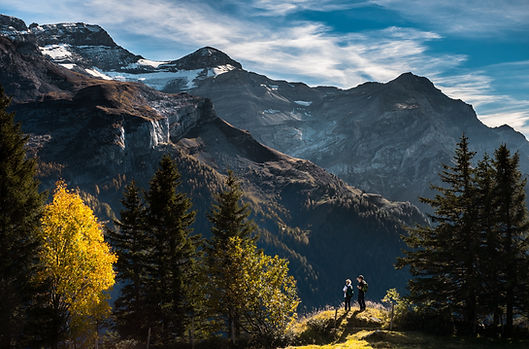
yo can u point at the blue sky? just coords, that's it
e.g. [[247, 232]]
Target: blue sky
[[475, 50]]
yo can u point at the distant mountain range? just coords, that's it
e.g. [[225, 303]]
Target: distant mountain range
[[97, 134], [385, 138]]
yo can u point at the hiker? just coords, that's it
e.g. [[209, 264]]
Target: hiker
[[362, 289], [348, 294]]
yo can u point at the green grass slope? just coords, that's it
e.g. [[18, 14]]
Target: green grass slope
[[329, 328]]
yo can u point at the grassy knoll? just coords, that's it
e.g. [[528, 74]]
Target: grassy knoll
[[328, 329]]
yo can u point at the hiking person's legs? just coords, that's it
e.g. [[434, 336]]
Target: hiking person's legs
[[347, 301], [361, 301]]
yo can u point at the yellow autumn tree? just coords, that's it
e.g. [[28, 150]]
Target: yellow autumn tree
[[76, 261]]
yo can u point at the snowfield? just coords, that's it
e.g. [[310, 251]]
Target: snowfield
[[161, 78], [57, 52], [158, 80]]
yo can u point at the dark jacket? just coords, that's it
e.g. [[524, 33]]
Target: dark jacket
[[361, 288]]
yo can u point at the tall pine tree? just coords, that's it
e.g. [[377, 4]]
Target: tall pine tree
[[443, 257], [229, 218], [229, 215], [21, 205], [488, 266], [130, 243], [173, 252], [474, 259], [512, 227]]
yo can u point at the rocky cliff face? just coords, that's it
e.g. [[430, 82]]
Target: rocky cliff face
[[99, 134], [26, 76], [13, 27], [74, 34]]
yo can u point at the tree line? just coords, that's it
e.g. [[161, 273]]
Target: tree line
[[181, 287], [58, 264], [470, 266]]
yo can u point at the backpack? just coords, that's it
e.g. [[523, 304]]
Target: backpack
[[349, 292], [364, 287]]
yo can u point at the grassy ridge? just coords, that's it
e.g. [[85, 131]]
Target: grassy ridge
[[329, 328]]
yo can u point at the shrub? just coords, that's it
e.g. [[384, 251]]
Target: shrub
[[112, 340]]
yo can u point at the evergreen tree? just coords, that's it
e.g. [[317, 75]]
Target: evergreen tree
[[488, 266], [229, 218], [512, 226], [443, 257], [173, 252], [130, 242], [474, 259], [21, 205]]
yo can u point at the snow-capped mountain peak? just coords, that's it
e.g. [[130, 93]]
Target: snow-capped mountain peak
[[89, 49], [204, 58]]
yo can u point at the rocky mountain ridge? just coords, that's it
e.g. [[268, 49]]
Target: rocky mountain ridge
[[386, 138], [389, 138], [89, 49]]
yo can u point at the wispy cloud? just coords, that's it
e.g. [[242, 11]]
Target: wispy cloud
[[517, 119], [470, 18], [281, 7], [312, 51], [474, 88]]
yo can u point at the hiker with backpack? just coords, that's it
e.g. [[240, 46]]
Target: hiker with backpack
[[362, 289], [348, 292]]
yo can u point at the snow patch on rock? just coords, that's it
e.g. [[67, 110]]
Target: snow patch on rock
[[121, 138], [304, 103], [221, 69], [406, 106], [96, 73], [154, 64], [68, 65], [56, 52], [270, 88]]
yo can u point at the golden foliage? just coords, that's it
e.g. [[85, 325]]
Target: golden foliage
[[76, 259]]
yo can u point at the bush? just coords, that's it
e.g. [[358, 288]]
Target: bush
[[426, 320], [408, 317], [112, 340]]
